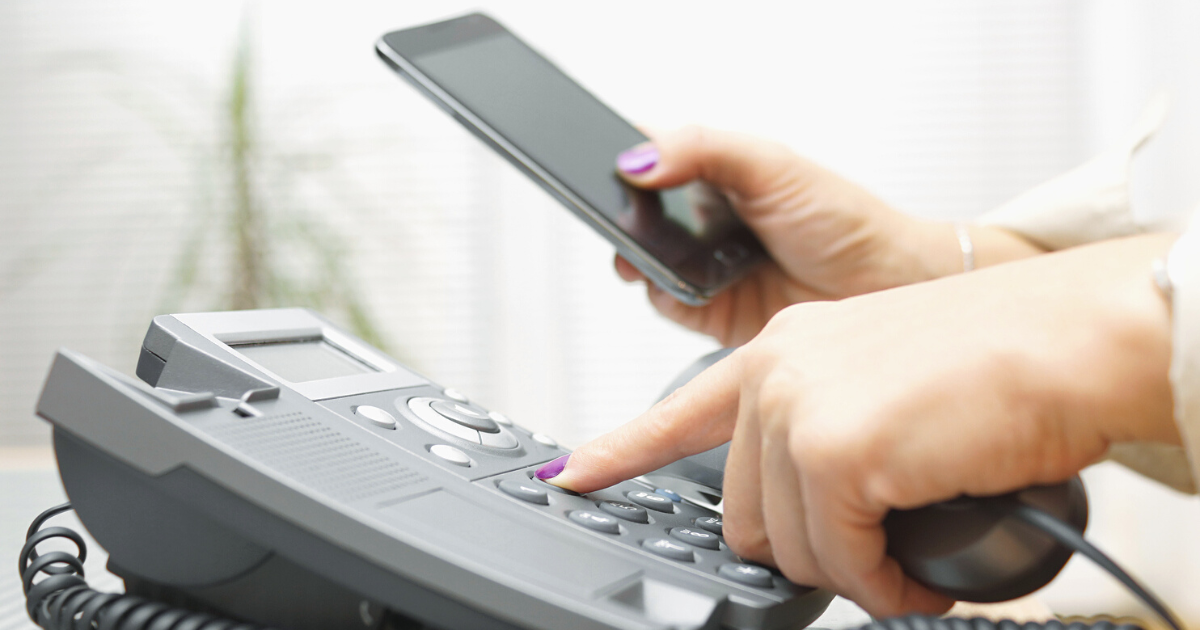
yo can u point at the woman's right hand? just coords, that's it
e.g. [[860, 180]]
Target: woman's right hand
[[828, 238]]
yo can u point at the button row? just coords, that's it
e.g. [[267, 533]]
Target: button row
[[706, 534]]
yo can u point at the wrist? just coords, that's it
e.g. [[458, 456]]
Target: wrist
[[936, 249], [1116, 377]]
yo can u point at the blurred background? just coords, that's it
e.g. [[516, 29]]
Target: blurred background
[[162, 157]]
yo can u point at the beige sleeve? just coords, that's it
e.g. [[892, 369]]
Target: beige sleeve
[[1091, 203], [1183, 267], [1087, 204]]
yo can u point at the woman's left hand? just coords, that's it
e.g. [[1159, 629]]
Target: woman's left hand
[[976, 384]]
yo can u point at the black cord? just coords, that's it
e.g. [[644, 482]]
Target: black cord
[[1069, 537], [62, 600]]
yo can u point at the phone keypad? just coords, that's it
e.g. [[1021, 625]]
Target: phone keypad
[[639, 517]]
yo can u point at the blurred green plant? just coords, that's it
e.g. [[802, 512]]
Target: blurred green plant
[[282, 253]]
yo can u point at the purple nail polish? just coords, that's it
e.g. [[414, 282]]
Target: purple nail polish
[[552, 468], [638, 159]]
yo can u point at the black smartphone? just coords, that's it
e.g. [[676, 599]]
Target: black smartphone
[[687, 240]]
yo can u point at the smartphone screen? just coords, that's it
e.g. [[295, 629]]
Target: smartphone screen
[[575, 138]]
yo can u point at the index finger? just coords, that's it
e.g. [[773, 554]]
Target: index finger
[[695, 418]]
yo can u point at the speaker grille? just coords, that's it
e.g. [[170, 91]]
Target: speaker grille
[[315, 455]]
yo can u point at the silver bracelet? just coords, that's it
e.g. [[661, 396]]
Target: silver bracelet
[[1161, 272], [967, 247]]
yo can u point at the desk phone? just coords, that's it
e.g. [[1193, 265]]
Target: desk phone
[[275, 469]]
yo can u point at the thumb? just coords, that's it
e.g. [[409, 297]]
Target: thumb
[[696, 417], [742, 164]]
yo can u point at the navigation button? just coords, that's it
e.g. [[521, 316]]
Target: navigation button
[[420, 406], [503, 439], [376, 416], [650, 500], [469, 416], [451, 454], [627, 511], [712, 524], [669, 549], [747, 574], [500, 418], [454, 394], [698, 537], [595, 520], [524, 491]]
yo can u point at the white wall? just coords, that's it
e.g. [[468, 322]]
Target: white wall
[[109, 114]]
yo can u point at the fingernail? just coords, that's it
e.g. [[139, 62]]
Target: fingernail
[[552, 468], [639, 159]]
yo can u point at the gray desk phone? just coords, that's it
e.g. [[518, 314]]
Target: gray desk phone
[[276, 469]]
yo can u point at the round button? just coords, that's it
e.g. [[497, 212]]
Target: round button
[[524, 491], [698, 537], [670, 494], [627, 511], [711, 523], [746, 574], [450, 454], [595, 520], [454, 394], [544, 440], [650, 500], [500, 418], [469, 416], [375, 416], [669, 549]]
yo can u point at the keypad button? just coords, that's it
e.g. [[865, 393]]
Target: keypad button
[[670, 494], [551, 487], [627, 511], [525, 491], [469, 416], [650, 500], [595, 520], [500, 418], [711, 523], [697, 537], [450, 454], [454, 394], [376, 416], [544, 440], [747, 574], [670, 549]]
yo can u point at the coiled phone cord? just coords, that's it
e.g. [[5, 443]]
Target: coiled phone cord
[[62, 599], [1066, 535]]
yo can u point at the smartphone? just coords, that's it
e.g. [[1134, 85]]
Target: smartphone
[[687, 240]]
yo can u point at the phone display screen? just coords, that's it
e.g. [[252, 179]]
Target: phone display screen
[[576, 138], [304, 360]]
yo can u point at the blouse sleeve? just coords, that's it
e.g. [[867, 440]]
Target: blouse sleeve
[[1087, 204]]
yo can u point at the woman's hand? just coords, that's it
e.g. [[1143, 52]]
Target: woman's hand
[[828, 238], [976, 384]]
